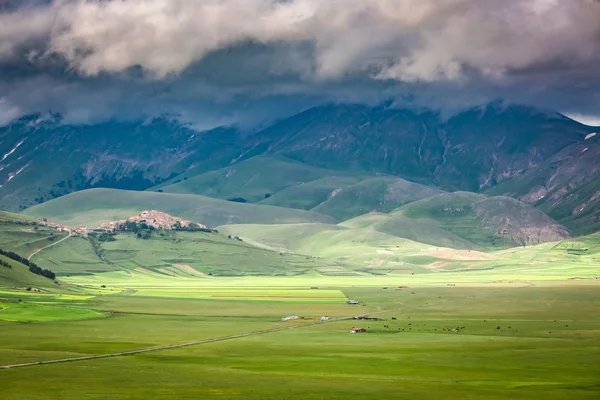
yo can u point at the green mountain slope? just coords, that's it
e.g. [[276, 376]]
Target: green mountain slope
[[370, 251], [566, 186], [487, 222], [22, 234], [18, 276], [92, 207], [43, 157], [487, 145], [423, 231], [382, 194], [283, 182], [250, 179], [309, 195]]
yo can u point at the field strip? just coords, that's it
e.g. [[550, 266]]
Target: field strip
[[230, 337], [43, 248]]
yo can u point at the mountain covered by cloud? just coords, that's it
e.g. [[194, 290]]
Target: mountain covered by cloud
[[228, 61]]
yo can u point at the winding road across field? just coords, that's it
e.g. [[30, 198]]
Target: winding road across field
[[50, 245], [224, 338]]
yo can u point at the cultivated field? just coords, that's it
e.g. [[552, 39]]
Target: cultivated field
[[199, 315], [477, 341]]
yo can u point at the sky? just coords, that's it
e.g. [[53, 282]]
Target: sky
[[215, 62]]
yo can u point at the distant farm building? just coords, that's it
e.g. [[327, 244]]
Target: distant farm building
[[325, 318], [353, 302], [290, 318], [358, 330]]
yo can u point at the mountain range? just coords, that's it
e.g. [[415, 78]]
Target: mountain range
[[338, 160]]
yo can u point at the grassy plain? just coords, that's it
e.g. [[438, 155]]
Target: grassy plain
[[513, 341], [513, 324]]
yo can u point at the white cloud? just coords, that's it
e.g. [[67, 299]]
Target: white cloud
[[8, 111], [590, 120], [406, 40], [78, 57]]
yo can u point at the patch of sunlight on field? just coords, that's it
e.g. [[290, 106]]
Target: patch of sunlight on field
[[503, 274], [33, 296], [30, 312], [248, 294]]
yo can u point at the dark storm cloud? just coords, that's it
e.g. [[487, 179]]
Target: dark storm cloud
[[222, 61]]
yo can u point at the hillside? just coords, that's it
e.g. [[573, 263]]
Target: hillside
[[94, 206], [251, 179], [307, 196], [45, 157], [22, 234], [487, 145], [566, 186], [472, 150], [302, 160], [358, 138], [18, 276], [487, 222], [284, 182], [423, 231], [370, 251], [382, 194], [172, 254]]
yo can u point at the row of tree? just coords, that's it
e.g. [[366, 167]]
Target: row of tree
[[43, 272], [5, 264], [192, 227], [32, 266]]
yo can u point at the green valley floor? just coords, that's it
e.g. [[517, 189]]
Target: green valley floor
[[474, 338]]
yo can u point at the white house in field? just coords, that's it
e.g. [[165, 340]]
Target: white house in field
[[290, 318], [325, 318]]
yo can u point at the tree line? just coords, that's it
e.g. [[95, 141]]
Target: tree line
[[32, 266]]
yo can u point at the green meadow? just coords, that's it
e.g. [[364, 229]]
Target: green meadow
[[469, 341], [476, 323]]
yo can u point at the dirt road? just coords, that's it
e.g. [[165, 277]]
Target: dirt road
[[50, 245], [173, 346], [232, 337]]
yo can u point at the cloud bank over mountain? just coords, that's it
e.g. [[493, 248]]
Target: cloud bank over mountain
[[229, 59]]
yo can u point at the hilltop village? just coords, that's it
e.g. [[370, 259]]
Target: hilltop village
[[149, 219]]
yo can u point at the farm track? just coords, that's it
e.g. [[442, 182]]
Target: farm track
[[238, 336], [43, 248]]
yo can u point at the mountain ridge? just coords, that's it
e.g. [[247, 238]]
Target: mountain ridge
[[478, 150]]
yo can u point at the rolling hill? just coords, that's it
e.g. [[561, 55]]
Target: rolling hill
[[368, 250], [474, 150], [94, 206], [18, 276], [284, 182], [251, 179], [307, 196], [382, 194], [22, 235], [427, 232], [42, 157], [487, 222], [171, 255]]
